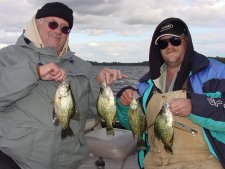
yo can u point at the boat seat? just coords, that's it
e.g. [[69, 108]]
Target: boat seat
[[91, 124], [117, 147]]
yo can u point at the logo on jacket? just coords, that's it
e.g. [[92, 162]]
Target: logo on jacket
[[215, 103]]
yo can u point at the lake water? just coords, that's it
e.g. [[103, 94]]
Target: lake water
[[134, 73]]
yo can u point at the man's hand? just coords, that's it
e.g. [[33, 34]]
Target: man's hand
[[51, 71], [109, 76], [181, 107], [126, 97]]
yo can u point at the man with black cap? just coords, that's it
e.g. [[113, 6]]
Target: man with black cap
[[190, 133], [30, 73]]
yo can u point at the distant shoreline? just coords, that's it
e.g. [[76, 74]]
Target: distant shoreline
[[144, 63]]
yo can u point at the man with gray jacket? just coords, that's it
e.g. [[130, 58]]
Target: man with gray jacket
[[30, 72]]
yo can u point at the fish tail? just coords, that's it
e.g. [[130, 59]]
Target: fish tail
[[110, 131], [66, 132], [168, 149], [141, 144]]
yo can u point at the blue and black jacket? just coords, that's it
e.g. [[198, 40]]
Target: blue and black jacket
[[205, 79]]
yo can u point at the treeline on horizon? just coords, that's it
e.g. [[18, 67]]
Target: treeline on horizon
[[222, 59], [144, 63]]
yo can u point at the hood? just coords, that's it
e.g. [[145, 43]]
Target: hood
[[156, 61], [31, 33]]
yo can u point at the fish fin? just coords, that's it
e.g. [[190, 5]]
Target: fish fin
[[110, 131], [66, 132], [141, 144], [168, 148], [55, 119], [102, 88], [53, 115]]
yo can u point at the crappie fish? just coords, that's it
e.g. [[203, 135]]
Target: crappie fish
[[65, 108], [106, 107], [163, 127], [137, 121]]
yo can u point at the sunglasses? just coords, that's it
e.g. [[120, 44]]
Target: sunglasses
[[54, 25], [175, 41]]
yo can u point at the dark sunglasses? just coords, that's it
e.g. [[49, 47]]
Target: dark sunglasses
[[175, 41], [54, 25]]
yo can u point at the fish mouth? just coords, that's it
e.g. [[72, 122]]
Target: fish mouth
[[103, 85], [101, 89], [65, 81]]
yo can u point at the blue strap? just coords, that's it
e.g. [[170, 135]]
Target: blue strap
[[141, 153], [146, 94]]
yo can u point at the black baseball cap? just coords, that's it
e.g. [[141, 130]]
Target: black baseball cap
[[174, 28]]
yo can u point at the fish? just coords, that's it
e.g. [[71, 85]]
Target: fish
[[137, 121], [106, 106], [163, 127], [65, 108]]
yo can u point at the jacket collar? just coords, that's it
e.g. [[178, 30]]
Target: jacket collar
[[199, 62], [49, 52]]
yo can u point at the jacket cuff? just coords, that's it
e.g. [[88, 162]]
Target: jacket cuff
[[123, 89]]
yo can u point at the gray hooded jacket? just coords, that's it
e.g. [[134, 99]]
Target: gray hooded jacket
[[27, 132]]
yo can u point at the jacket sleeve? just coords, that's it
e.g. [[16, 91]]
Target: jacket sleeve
[[210, 113], [17, 77], [121, 110]]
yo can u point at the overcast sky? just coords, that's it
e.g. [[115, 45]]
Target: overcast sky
[[121, 30]]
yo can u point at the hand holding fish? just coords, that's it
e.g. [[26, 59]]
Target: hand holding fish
[[127, 97], [51, 71], [109, 76], [181, 107]]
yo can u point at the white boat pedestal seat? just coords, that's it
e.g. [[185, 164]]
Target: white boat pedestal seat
[[117, 147]]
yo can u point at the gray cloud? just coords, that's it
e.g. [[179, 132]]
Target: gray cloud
[[125, 18]]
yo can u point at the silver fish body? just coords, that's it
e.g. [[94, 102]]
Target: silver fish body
[[163, 127], [65, 108], [137, 121], [106, 107]]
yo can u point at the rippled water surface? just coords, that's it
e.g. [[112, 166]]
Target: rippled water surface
[[134, 73]]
